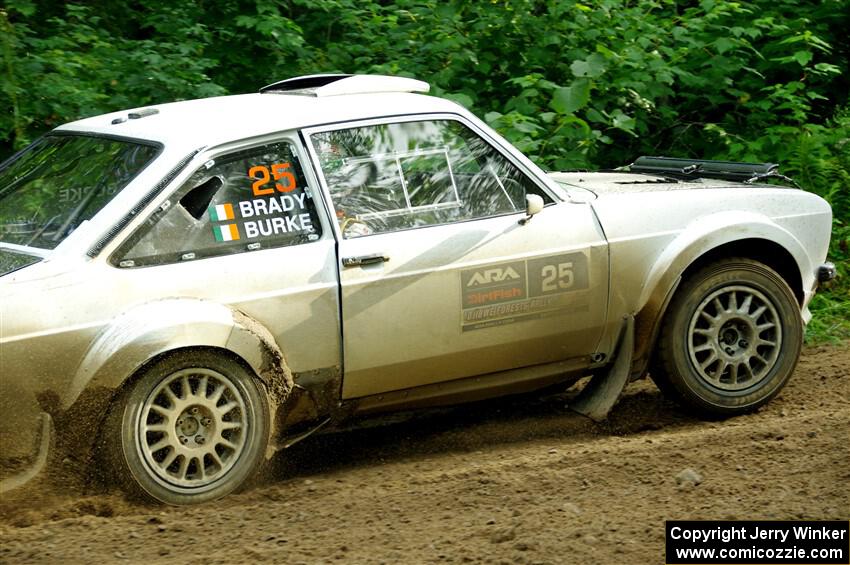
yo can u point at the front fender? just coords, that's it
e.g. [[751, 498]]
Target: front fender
[[699, 237], [151, 329], [712, 231]]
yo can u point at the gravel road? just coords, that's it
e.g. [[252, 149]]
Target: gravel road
[[519, 480]]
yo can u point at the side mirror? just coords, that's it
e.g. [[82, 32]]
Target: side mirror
[[533, 205]]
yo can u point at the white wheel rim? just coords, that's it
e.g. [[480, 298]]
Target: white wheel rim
[[192, 428]]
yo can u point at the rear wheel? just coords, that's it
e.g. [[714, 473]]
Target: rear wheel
[[193, 427], [730, 340]]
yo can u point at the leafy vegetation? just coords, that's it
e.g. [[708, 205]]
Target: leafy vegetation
[[819, 157], [583, 84]]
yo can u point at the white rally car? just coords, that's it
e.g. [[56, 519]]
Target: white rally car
[[189, 287]]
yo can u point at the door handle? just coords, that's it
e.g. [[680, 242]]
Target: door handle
[[364, 260]]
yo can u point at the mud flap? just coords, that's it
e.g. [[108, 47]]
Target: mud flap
[[604, 390], [43, 446]]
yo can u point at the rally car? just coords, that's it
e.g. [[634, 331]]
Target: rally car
[[189, 287]]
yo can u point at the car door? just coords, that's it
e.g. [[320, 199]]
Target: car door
[[439, 279]]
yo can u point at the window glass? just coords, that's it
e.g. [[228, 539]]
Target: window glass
[[253, 199], [405, 175], [62, 180]]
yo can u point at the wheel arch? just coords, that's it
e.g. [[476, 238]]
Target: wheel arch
[[146, 333], [764, 251], [709, 239], [133, 377]]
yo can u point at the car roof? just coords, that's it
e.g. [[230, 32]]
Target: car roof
[[213, 121]]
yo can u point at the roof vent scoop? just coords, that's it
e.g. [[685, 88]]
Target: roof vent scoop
[[337, 85], [136, 115]]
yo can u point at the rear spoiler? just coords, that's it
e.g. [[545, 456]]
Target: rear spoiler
[[693, 168]]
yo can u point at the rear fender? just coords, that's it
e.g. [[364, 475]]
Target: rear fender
[[149, 330]]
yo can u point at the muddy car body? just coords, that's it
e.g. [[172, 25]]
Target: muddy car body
[[258, 266]]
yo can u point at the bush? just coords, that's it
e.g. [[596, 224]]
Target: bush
[[819, 158], [583, 84]]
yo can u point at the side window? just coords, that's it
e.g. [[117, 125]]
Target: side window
[[405, 175], [249, 200]]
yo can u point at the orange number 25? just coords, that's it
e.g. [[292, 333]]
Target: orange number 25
[[278, 171]]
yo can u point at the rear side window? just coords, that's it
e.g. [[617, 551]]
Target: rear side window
[[245, 201]]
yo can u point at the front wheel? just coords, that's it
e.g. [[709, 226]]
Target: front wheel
[[730, 340], [193, 427]]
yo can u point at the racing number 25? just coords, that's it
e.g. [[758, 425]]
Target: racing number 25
[[278, 171], [557, 277]]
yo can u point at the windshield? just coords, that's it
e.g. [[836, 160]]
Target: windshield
[[62, 180]]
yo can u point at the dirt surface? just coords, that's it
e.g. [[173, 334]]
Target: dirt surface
[[513, 481]]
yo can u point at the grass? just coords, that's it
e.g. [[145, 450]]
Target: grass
[[830, 315]]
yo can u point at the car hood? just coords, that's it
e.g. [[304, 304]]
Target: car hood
[[623, 182], [11, 261]]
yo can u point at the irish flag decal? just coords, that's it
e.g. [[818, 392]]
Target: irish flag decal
[[221, 212], [227, 232]]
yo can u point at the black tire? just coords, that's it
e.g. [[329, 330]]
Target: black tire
[[213, 428], [730, 339]]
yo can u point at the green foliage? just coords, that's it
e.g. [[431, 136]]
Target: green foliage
[[582, 84], [818, 156]]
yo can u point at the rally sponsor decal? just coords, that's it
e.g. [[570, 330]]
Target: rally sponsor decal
[[521, 290], [494, 284]]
